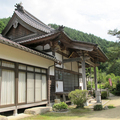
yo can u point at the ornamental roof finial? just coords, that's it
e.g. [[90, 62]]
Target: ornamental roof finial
[[19, 7]]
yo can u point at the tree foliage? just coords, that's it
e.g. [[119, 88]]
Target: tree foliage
[[3, 23], [1, 26]]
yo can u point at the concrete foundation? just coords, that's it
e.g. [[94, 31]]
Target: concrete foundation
[[37, 110]]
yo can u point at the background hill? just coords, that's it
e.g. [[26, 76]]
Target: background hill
[[111, 66], [81, 36]]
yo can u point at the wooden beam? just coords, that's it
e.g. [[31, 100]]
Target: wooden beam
[[84, 74], [86, 66], [91, 63], [72, 59]]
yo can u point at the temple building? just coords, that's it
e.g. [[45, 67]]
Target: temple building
[[39, 63]]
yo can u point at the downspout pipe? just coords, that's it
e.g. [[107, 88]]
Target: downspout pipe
[[49, 81]]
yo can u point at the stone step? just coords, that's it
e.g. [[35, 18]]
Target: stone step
[[3, 117], [37, 110]]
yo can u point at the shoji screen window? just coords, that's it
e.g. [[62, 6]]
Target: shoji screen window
[[22, 87], [7, 83]]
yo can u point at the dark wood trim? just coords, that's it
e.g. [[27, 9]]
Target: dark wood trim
[[57, 68], [63, 72], [0, 83], [72, 59], [10, 105], [47, 50], [26, 86], [16, 84], [61, 53], [48, 84], [34, 84], [16, 71]]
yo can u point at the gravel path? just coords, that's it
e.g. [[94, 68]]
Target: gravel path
[[110, 114]]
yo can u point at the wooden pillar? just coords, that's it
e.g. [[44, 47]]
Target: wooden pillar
[[84, 74], [95, 78], [0, 84], [16, 89], [49, 81]]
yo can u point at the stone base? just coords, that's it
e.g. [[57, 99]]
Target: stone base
[[38, 110], [3, 117]]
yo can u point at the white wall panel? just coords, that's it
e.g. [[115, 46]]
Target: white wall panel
[[21, 87], [44, 87], [30, 87], [59, 57], [38, 87], [59, 86], [17, 55], [75, 66], [67, 65]]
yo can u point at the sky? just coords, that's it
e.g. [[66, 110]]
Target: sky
[[89, 16]]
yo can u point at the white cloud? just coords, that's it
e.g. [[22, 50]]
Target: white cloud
[[91, 16]]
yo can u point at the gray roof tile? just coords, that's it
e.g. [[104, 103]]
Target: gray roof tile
[[16, 45], [33, 21]]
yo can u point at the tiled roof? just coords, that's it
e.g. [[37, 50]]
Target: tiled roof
[[36, 38], [33, 21], [16, 45]]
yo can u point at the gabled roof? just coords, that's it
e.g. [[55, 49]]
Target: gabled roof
[[26, 19], [18, 46], [33, 21]]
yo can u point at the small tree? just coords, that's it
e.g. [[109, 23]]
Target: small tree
[[78, 97]]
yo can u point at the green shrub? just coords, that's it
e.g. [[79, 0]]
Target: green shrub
[[111, 106], [98, 107], [118, 87], [93, 93], [104, 94], [107, 85], [59, 106], [116, 91], [88, 87], [78, 97]]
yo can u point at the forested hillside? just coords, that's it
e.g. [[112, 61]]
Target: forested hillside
[[106, 46], [79, 35], [112, 65], [3, 23]]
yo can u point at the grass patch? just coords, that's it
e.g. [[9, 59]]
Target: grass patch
[[111, 106], [73, 113]]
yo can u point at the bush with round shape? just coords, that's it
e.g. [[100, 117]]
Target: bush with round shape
[[60, 106], [78, 97], [98, 107], [104, 94]]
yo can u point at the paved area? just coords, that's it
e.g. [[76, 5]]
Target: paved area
[[19, 116], [110, 114]]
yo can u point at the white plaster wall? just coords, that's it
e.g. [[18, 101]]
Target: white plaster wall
[[59, 86], [52, 72], [17, 55], [50, 53], [59, 57], [47, 46], [67, 65], [39, 47], [80, 70], [75, 66], [81, 83]]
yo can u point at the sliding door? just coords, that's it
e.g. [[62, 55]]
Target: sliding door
[[22, 87], [30, 87], [8, 87]]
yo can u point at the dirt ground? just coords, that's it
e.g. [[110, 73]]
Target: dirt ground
[[110, 114]]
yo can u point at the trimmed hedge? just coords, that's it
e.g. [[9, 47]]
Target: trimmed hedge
[[103, 94], [98, 107], [60, 106]]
